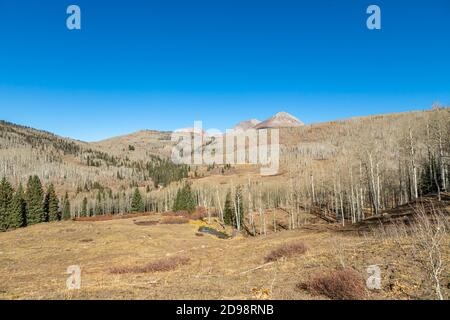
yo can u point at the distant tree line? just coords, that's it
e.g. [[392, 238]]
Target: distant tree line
[[164, 171], [20, 208]]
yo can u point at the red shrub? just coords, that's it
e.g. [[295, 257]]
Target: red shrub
[[199, 213], [345, 284], [286, 250]]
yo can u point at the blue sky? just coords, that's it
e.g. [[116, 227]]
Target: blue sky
[[163, 64]]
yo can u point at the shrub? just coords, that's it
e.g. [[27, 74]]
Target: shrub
[[167, 264], [107, 217], [199, 213], [174, 220], [180, 213], [345, 284], [286, 250]]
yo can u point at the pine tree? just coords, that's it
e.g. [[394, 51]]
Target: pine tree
[[66, 207], [6, 195], [184, 199], [84, 210], [51, 204], [233, 213], [18, 215], [137, 205], [35, 201], [228, 211], [98, 204]]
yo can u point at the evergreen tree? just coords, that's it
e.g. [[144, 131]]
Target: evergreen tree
[[137, 205], [51, 204], [98, 204], [228, 211], [84, 210], [18, 215], [233, 213], [35, 201], [184, 199], [66, 207], [6, 195]]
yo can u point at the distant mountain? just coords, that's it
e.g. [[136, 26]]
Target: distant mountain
[[192, 130], [247, 124], [138, 145], [280, 120]]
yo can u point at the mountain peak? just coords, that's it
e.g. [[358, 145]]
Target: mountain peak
[[280, 120], [246, 124]]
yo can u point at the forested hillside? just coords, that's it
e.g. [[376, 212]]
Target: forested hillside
[[345, 170]]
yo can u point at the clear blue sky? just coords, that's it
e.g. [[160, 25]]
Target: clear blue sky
[[163, 64]]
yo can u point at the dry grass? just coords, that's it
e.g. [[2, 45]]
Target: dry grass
[[423, 238], [167, 264], [180, 213], [146, 223], [174, 220], [34, 260], [286, 250], [345, 284], [108, 217]]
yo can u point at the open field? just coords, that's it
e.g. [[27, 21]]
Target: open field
[[34, 260]]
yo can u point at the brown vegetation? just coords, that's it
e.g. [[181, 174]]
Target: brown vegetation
[[180, 213], [345, 284], [162, 265], [286, 250], [423, 237], [174, 220], [34, 261], [108, 217], [146, 223], [198, 214]]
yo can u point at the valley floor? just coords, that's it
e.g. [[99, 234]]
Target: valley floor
[[34, 261]]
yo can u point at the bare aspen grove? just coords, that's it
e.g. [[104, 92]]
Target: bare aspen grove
[[350, 193]]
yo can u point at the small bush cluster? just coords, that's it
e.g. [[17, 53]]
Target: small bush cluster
[[345, 284], [286, 250], [174, 220], [167, 264], [108, 217], [198, 214], [180, 213], [146, 223]]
